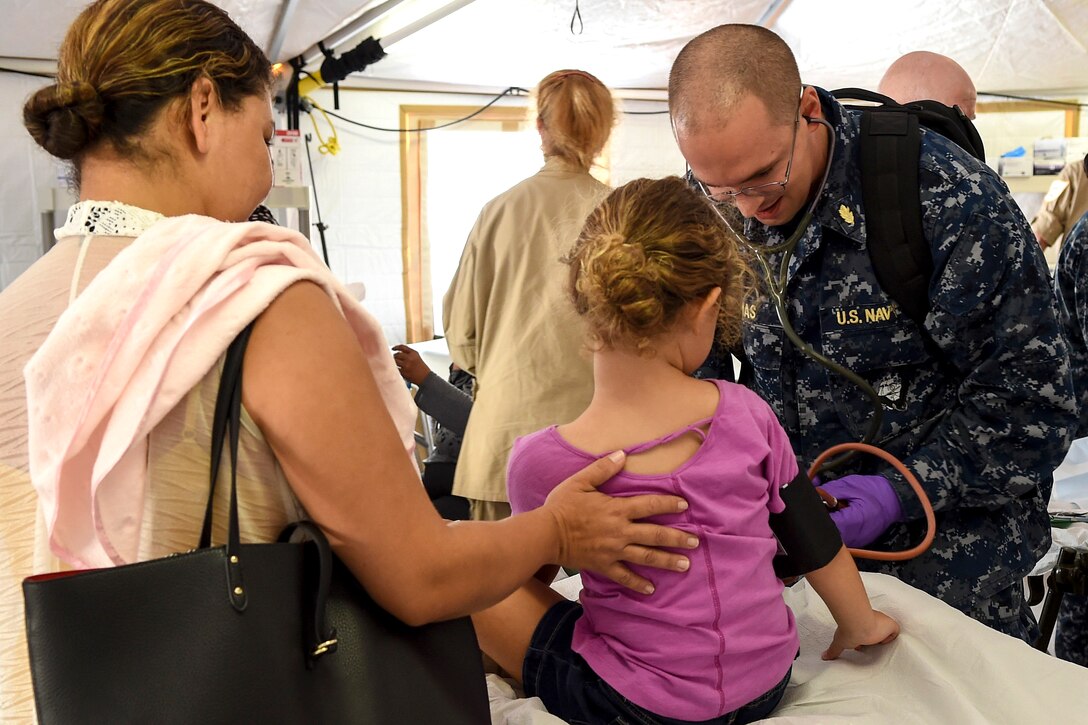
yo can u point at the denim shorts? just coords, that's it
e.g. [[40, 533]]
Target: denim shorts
[[572, 691]]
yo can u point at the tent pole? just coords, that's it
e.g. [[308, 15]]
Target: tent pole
[[279, 33], [423, 22], [773, 12]]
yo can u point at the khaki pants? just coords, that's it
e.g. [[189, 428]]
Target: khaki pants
[[488, 510]]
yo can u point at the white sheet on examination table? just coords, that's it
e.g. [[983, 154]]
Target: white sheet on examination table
[[944, 668]]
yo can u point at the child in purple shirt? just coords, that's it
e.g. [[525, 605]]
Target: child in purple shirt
[[654, 276]]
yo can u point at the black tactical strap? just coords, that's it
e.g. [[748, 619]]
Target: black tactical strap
[[902, 261]]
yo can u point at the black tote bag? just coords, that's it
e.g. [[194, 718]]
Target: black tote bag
[[241, 633]]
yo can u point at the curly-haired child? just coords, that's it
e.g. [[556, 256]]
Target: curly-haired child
[[655, 276]]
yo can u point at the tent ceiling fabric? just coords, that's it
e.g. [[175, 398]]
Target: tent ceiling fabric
[[34, 28], [1011, 46]]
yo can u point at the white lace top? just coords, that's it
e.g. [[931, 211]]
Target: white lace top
[[106, 218]]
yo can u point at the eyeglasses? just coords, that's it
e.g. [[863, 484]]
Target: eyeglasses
[[771, 188]]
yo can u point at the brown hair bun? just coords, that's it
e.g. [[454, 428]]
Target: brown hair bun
[[65, 118]]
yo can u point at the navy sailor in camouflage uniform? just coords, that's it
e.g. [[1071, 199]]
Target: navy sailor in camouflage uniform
[[978, 401]]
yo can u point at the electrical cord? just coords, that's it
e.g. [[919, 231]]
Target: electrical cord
[[512, 90], [1070, 104], [332, 146], [33, 74]]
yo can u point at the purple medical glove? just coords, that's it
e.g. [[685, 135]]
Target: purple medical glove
[[870, 506]]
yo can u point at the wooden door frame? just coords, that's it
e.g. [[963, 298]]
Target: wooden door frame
[[1072, 113], [413, 157]]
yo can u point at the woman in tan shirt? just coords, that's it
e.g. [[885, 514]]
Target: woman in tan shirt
[[1065, 203], [506, 317]]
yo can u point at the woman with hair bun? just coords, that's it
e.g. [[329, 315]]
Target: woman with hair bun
[[504, 316], [655, 276], [114, 342]]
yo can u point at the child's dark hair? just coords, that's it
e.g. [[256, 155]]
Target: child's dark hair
[[650, 248]]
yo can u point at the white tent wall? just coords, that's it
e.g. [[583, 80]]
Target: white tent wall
[[24, 167], [359, 189], [644, 146]]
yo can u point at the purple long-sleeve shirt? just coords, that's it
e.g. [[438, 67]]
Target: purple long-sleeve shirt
[[711, 639]]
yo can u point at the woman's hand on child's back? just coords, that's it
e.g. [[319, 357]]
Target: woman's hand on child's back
[[600, 533], [878, 629]]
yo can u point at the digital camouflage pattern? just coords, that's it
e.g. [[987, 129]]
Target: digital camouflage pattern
[[1071, 639], [979, 405], [1071, 291]]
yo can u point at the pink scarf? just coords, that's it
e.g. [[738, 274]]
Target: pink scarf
[[145, 331]]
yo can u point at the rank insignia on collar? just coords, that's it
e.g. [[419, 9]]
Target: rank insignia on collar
[[846, 214]]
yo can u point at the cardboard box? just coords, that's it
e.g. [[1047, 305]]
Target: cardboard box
[[1048, 156], [1015, 165], [1075, 149]]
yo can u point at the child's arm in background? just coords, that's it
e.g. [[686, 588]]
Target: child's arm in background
[[436, 397], [840, 586]]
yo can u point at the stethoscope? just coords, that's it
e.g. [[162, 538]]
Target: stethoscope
[[776, 288], [776, 285]]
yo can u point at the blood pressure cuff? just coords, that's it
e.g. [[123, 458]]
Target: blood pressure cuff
[[807, 536]]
